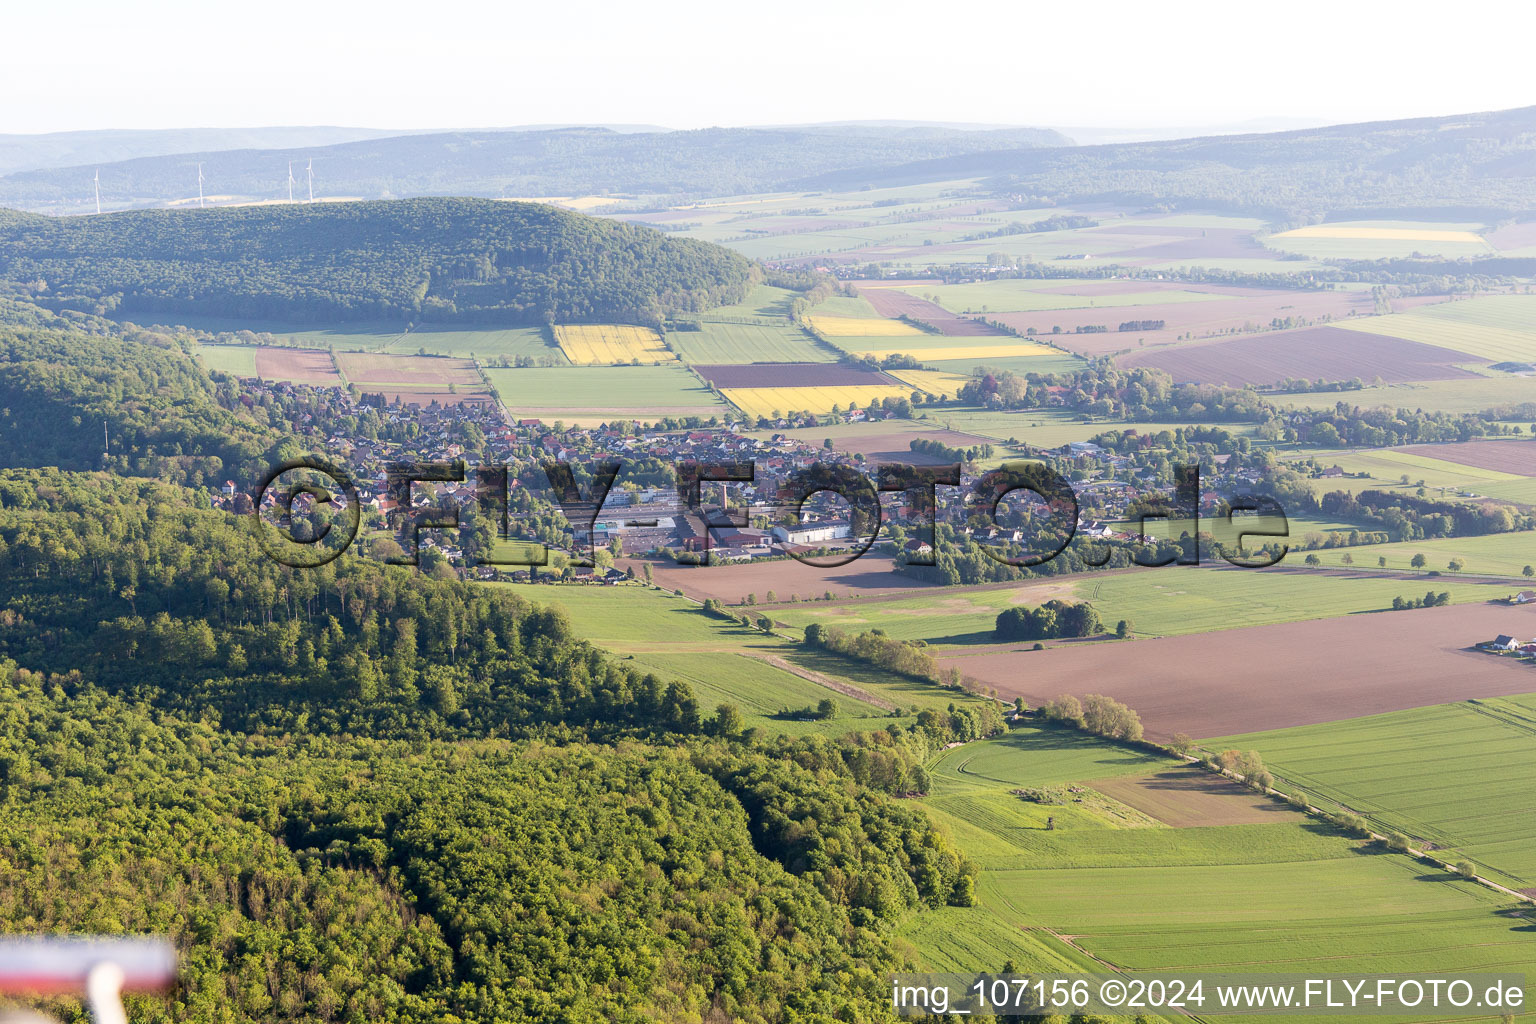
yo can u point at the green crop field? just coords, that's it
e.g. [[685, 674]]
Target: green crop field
[[1472, 394], [1049, 362], [672, 636], [1091, 891], [483, 345], [844, 305], [1497, 554], [1386, 469], [747, 343], [762, 300], [239, 360], [1169, 601], [763, 693], [602, 392], [1455, 775], [1499, 328]]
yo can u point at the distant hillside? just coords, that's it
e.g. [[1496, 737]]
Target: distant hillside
[[71, 149], [1480, 164], [513, 164], [465, 260]]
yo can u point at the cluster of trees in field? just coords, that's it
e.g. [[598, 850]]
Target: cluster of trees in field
[[1096, 714], [1407, 517], [439, 259], [938, 449], [1429, 600], [1052, 620]]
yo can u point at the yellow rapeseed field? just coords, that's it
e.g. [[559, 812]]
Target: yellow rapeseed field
[[861, 326], [767, 401], [611, 344], [935, 382]]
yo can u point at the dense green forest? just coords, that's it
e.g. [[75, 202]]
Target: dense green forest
[[448, 260], [366, 793]]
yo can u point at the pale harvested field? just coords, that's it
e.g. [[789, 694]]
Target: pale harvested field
[[301, 366], [1273, 677], [1190, 797]]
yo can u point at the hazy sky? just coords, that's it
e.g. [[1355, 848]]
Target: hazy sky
[[97, 64]]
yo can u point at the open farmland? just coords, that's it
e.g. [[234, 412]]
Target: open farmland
[[415, 380], [485, 345], [714, 342], [300, 366], [611, 344], [1496, 328], [1495, 554], [964, 348], [1190, 797], [1448, 775], [1503, 456], [860, 327], [597, 394], [891, 300], [1273, 677], [1021, 296], [371, 368], [792, 375], [1226, 311], [1464, 394], [934, 382], [239, 360], [1327, 353], [1157, 602], [772, 402], [726, 662], [870, 575], [1372, 240], [1225, 896]]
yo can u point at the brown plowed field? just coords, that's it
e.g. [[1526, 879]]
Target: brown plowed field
[[869, 575], [365, 368], [1330, 353], [1273, 677], [1191, 797], [790, 375], [894, 302], [897, 445], [300, 365], [1501, 456], [425, 396]]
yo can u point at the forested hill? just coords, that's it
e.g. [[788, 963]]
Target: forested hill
[[566, 161], [465, 260], [1484, 164]]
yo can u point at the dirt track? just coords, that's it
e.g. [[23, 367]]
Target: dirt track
[[1272, 677]]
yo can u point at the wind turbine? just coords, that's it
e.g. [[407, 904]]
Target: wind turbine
[[199, 186], [98, 190], [290, 181], [310, 170]]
